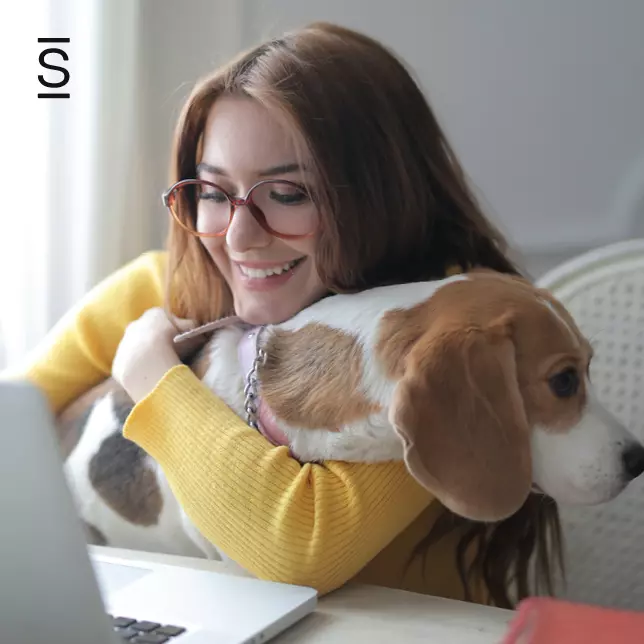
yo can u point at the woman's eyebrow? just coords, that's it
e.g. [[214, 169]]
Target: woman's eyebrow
[[284, 168]]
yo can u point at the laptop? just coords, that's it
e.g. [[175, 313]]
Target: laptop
[[52, 589]]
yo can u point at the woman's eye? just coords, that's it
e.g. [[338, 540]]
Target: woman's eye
[[289, 198], [213, 195], [565, 384]]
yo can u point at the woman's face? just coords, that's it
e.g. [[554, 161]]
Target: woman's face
[[271, 279]]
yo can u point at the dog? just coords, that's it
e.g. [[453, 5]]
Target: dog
[[479, 382]]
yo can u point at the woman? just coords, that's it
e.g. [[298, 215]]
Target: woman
[[353, 186]]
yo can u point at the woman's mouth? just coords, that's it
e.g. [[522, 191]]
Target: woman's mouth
[[263, 273], [268, 277]]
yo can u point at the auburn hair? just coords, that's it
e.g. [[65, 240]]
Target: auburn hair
[[395, 207]]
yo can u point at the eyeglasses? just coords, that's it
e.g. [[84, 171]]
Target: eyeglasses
[[282, 208]]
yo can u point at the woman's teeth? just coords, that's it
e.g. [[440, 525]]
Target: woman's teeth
[[267, 272]]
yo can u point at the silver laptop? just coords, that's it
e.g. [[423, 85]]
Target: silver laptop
[[52, 590]]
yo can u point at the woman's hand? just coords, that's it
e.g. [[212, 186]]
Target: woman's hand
[[147, 352]]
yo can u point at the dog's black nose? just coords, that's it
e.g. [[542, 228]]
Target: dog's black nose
[[633, 459]]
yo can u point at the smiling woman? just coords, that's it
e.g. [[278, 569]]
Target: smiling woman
[[309, 165], [266, 242]]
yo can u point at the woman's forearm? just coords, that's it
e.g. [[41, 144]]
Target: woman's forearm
[[316, 525]]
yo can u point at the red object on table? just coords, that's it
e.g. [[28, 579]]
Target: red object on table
[[542, 620]]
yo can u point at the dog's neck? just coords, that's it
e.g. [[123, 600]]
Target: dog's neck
[[247, 352]]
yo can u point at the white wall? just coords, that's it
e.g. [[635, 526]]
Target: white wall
[[543, 101], [180, 42]]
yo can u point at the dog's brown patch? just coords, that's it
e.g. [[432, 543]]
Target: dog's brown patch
[[312, 378], [121, 476], [462, 305], [399, 330], [94, 535]]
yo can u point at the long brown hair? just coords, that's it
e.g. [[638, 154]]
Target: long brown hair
[[394, 202]]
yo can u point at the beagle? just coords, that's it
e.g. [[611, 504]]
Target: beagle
[[479, 382]]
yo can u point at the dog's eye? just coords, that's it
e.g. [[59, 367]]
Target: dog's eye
[[565, 384]]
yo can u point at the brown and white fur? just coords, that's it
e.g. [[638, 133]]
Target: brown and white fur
[[457, 377]]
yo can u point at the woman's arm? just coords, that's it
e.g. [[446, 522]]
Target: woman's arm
[[78, 352], [315, 525]]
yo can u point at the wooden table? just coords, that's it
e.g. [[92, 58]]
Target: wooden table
[[369, 614]]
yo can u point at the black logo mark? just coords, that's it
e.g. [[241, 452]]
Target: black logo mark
[[43, 63]]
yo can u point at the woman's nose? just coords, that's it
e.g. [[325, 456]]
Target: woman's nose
[[244, 232]]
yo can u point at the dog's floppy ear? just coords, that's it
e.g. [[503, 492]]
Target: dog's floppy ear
[[460, 415]]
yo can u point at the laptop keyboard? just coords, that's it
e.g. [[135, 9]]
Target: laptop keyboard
[[141, 632]]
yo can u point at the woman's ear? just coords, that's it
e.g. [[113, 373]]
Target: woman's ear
[[460, 415]]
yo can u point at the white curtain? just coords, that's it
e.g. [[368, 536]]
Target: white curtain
[[72, 211], [82, 177]]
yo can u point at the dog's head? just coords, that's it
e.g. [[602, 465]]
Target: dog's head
[[494, 398]]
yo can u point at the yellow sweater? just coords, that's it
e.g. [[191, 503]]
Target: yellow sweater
[[319, 525]]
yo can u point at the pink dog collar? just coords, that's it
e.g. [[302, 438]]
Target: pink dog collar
[[267, 425], [246, 352]]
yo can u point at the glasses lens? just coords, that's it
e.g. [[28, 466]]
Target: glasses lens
[[287, 207], [203, 208]]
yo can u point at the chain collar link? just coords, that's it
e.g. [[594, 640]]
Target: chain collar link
[[250, 390]]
